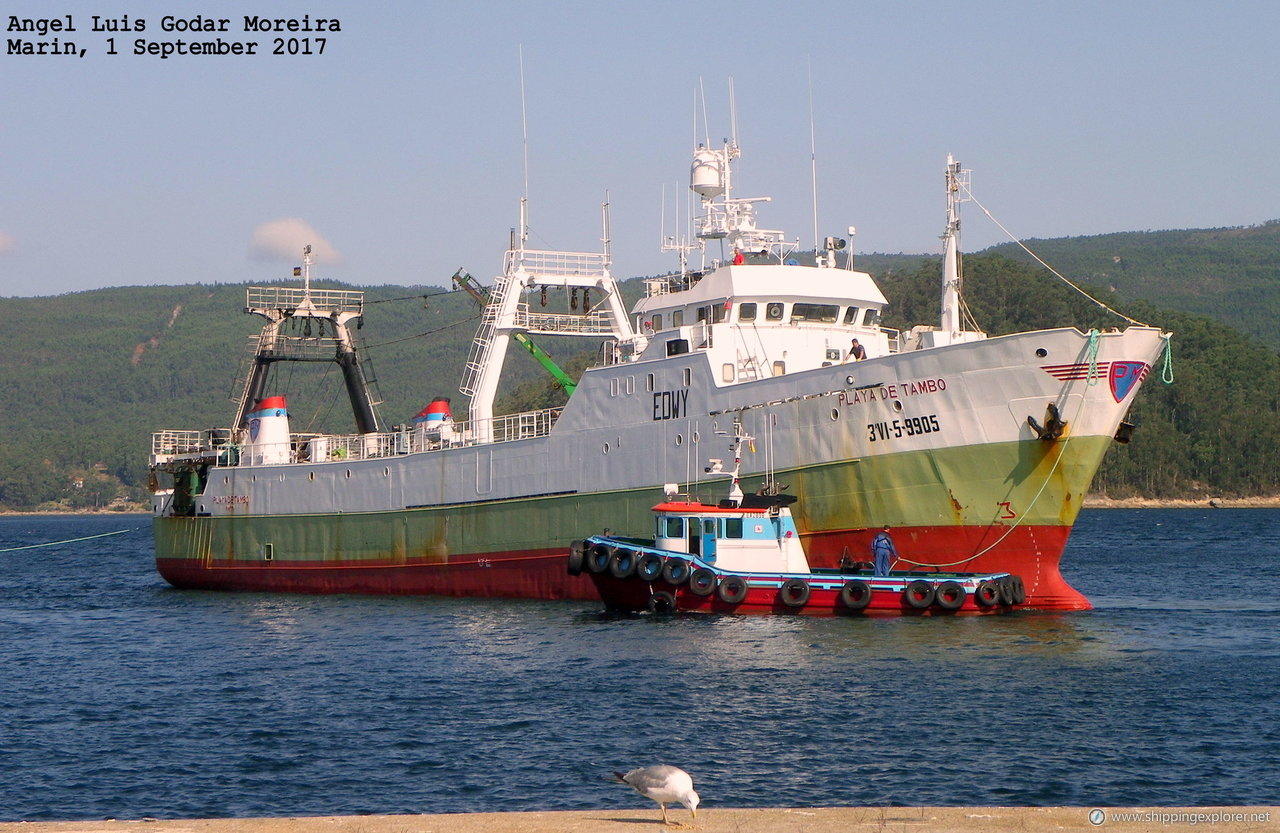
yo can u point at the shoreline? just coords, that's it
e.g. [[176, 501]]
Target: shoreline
[[1239, 819], [1104, 502]]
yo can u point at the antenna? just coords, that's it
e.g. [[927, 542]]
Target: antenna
[[706, 127], [524, 131], [733, 113], [604, 220], [813, 158]]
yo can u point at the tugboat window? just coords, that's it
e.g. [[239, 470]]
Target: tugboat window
[[674, 528], [733, 527], [677, 318], [851, 315], [747, 312], [773, 312]]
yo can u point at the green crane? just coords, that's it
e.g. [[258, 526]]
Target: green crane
[[463, 280]]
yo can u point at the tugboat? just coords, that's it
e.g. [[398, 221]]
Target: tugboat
[[744, 555]]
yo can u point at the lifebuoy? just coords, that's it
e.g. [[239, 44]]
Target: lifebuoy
[[660, 601], [702, 582], [676, 571], [918, 594], [732, 590], [794, 592], [622, 564], [649, 567], [598, 557], [856, 594], [987, 594], [577, 555], [950, 595]]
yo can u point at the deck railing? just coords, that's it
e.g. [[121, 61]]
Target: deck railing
[[213, 447]]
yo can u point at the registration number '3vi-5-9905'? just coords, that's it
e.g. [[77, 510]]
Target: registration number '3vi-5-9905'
[[905, 427]]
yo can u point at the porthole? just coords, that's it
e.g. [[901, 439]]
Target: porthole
[[697, 437], [386, 472], [348, 474], [897, 406], [311, 475], [606, 448], [1041, 352], [835, 414], [679, 439]]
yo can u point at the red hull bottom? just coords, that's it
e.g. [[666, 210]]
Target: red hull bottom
[[1030, 552]]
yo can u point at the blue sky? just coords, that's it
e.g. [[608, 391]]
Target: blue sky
[[398, 152]]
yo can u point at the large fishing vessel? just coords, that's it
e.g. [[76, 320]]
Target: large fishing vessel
[[977, 451]]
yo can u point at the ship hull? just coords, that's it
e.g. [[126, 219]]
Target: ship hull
[[935, 443]]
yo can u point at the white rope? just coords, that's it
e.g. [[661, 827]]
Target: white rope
[[70, 540], [1056, 273]]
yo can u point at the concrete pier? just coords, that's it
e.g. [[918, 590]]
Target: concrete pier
[[717, 820]]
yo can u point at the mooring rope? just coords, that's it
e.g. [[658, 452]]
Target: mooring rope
[[1055, 272], [70, 540]]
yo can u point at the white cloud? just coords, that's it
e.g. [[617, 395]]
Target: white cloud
[[8, 243], [283, 240]]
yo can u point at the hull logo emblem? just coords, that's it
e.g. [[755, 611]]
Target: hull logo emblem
[[1124, 375]]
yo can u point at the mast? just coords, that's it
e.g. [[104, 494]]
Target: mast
[[951, 325], [335, 307]]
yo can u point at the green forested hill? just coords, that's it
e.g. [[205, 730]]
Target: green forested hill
[[89, 376], [1231, 274]]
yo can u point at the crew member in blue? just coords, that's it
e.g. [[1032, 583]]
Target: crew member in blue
[[882, 550]]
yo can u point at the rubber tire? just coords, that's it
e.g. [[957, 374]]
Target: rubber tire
[[577, 557], [702, 582], [661, 602], [987, 594], [949, 595], [1019, 590], [794, 592], [856, 594], [732, 590], [918, 594], [649, 567], [676, 571], [622, 564], [598, 558], [1006, 590]]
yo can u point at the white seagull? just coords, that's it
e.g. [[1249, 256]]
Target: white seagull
[[665, 785]]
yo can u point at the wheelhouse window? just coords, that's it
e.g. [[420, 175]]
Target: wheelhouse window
[[850, 316], [672, 527], [825, 313], [657, 322], [773, 312], [733, 527], [677, 318], [871, 318], [747, 312]]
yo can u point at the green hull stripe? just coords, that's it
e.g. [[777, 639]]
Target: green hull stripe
[[1025, 483]]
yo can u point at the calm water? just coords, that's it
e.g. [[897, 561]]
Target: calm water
[[122, 697]]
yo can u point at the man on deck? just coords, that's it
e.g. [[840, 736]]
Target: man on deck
[[882, 550]]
